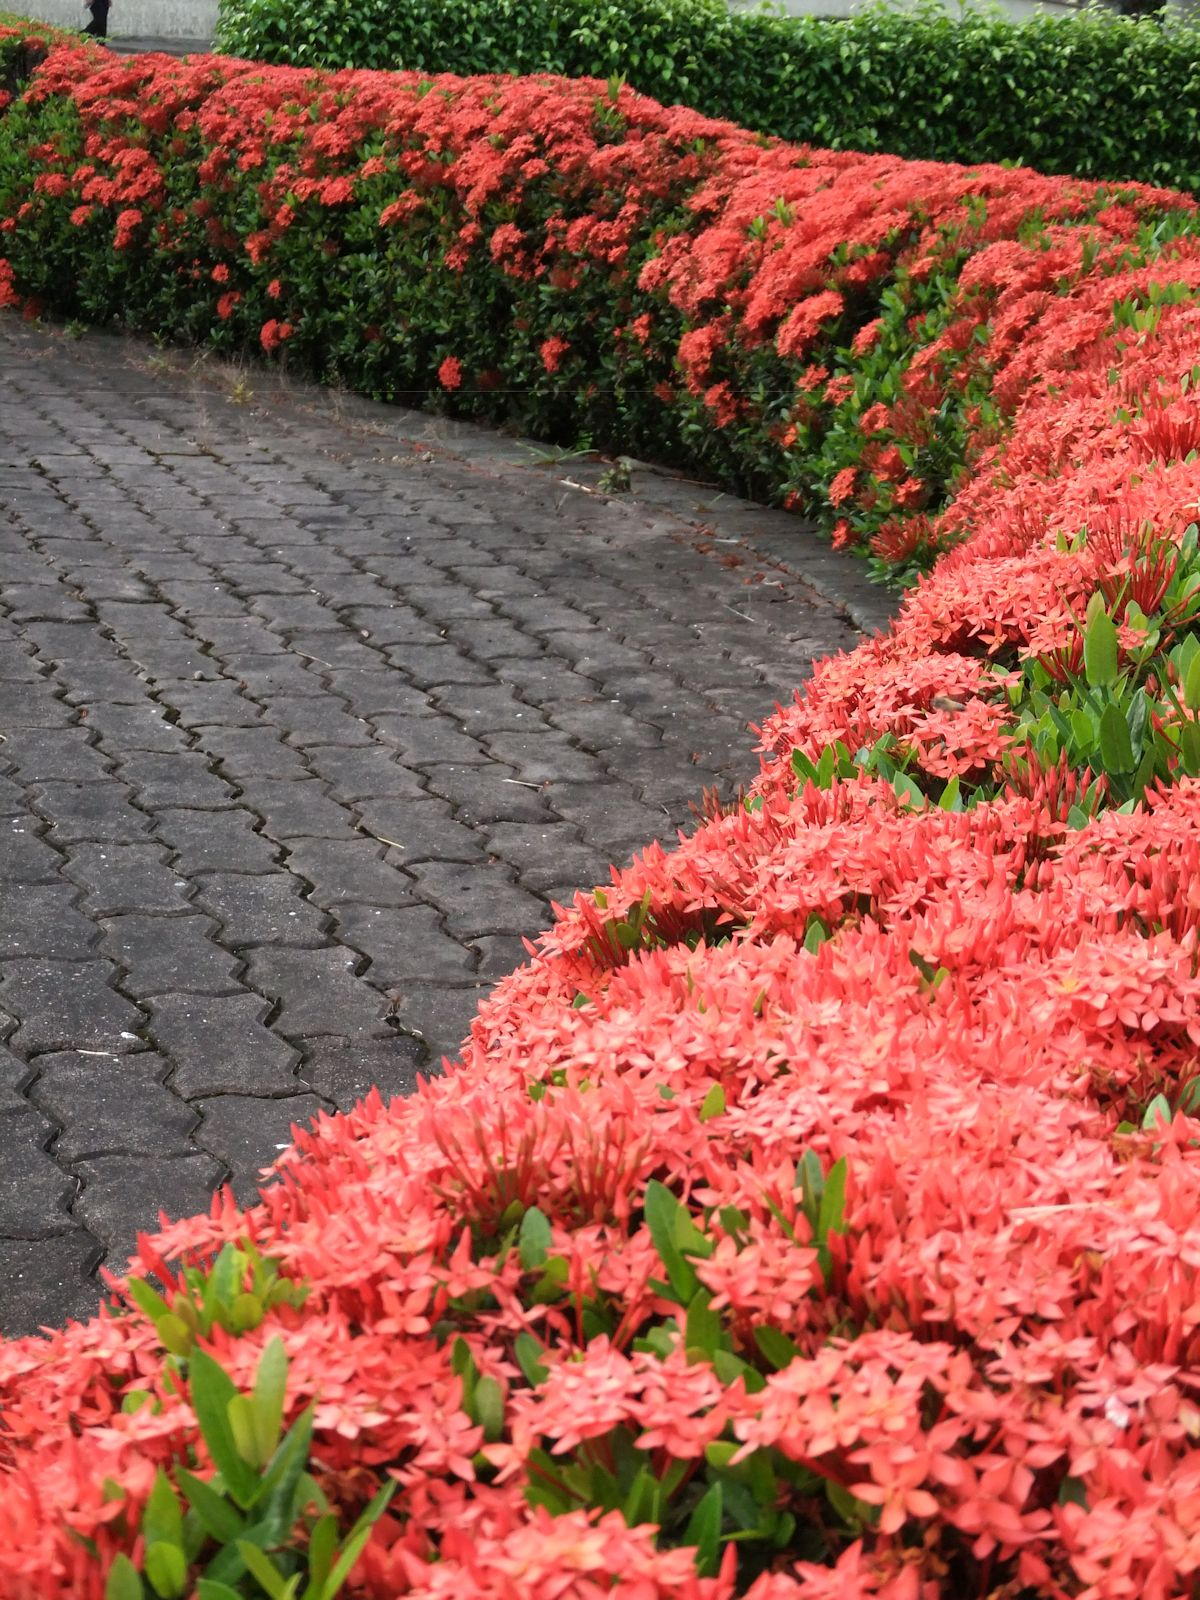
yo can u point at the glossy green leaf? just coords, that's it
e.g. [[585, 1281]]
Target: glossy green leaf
[[713, 1104], [703, 1329], [775, 1347], [165, 1567], [530, 1353], [211, 1391], [123, 1582], [1116, 750], [1100, 651], [216, 1515], [533, 1241], [704, 1531]]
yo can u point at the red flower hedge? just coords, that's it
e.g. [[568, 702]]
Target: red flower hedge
[[826, 328], [816, 1215]]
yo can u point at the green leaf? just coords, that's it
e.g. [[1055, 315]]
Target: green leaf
[[1158, 1113], [279, 1489], [857, 1513], [147, 1299], [703, 1329], [241, 1421], [264, 1570], [174, 1335], [1116, 750], [713, 1104], [830, 1218], [907, 790], [224, 1279], [1191, 683], [704, 1531], [355, 1540], [270, 1385], [322, 1548], [662, 1210], [951, 796], [211, 1391], [529, 1352], [166, 1568], [211, 1589], [487, 1408], [810, 1180], [775, 1347], [216, 1515], [533, 1241], [162, 1519], [123, 1582], [552, 1281], [1073, 1492], [1100, 650], [1189, 746]]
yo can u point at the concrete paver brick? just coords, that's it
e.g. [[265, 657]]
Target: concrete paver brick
[[417, 830], [111, 1104], [47, 1282], [221, 1049], [345, 1071], [67, 1004], [24, 857], [349, 871], [122, 1195], [300, 738], [296, 809], [254, 909], [404, 944], [118, 878], [248, 1135], [475, 900], [170, 955], [35, 1192], [41, 920], [318, 992]]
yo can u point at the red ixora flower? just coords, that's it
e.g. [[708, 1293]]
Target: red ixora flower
[[274, 334], [450, 373], [128, 222], [552, 350]]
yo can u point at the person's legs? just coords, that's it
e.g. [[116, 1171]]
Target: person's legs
[[98, 26]]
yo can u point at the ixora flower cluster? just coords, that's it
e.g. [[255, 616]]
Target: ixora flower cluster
[[814, 1217]]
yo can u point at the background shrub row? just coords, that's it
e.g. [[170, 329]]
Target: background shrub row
[[1097, 96], [574, 259]]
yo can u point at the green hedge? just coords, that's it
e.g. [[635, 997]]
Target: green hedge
[[1095, 95]]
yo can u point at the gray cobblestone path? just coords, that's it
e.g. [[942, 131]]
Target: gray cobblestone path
[[305, 724]]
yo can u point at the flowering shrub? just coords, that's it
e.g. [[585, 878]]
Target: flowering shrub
[[814, 1217], [841, 332], [1087, 93]]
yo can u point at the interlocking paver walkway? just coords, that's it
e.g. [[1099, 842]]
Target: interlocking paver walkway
[[307, 718]]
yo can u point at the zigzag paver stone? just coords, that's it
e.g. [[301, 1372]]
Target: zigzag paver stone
[[309, 708]]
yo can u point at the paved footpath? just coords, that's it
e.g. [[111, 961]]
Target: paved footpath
[[309, 709]]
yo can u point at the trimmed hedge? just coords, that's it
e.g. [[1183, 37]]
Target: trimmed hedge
[[569, 257], [1093, 95], [815, 1216]]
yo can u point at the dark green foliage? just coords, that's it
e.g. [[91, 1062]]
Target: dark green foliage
[[1094, 95]]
